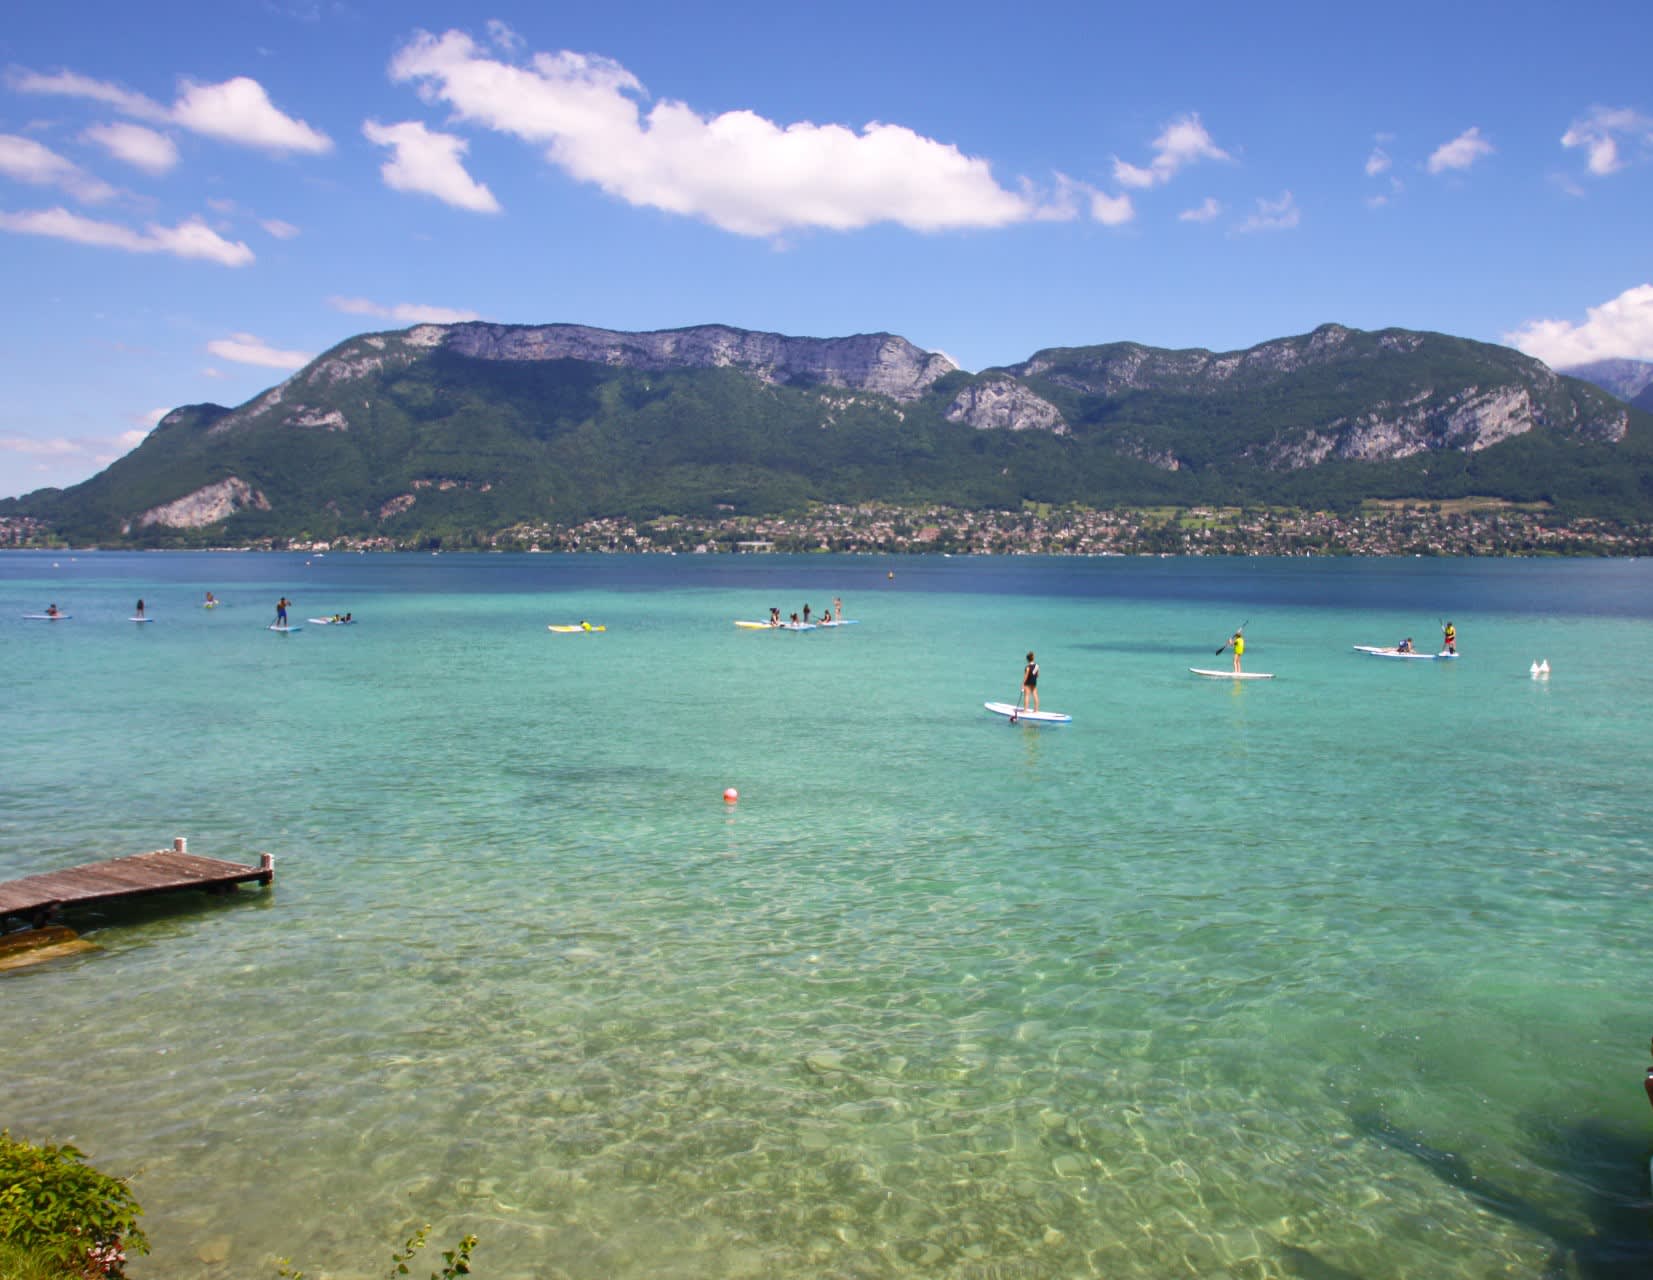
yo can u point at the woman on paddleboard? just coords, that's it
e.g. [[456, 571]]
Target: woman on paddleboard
[[1236, 642], [1030, 683]]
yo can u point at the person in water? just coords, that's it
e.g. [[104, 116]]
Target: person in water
[[1236, 642], [281, 611], [1030, 683], [211, 601], [1449, 638], [1405, 646]]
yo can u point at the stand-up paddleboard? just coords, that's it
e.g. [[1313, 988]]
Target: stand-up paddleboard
[[562, 630], [47, 617], [334, 622], [841, 622], [274, 626], [136, 619], [1232, 675], [757, 626], [1021, 715], [1389, 651]]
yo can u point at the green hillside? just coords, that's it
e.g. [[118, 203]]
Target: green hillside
[[388, 436]]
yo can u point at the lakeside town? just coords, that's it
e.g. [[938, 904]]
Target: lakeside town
[[1460, 528]]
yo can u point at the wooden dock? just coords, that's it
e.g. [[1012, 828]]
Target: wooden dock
[[38, 899]]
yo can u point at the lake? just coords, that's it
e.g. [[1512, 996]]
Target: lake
[[1336, 974]]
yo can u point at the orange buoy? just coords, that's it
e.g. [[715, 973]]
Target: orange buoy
[[730, 795]]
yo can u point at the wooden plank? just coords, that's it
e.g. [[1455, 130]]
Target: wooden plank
[[163, 871]]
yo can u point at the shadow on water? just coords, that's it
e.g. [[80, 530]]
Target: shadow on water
[[1611, 1238]]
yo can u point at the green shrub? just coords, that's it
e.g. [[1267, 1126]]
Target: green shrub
[[57, 1208], [457, 1261], [18, 1263]]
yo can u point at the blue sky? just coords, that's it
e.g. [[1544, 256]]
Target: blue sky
[[197, 198]]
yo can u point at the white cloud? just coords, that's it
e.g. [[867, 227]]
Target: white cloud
[[1111, 211], [504, 37], [430, 164], [191, 238], [1618, 329], [279, 229], [1204, 212], [238, 110], [405, 312], [59, 460], [150, 419], [70, 85], [1182, 142], [1463, 151], [26, 160], [1378, 162], [1273, 215], [737, 170], [1601, 134], [136, 145], [56, 447], [246, 348]]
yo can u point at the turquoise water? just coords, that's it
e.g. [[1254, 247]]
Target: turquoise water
[[1340, 974]]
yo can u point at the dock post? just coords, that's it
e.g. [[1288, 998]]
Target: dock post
[[266, 864], [178, 843]]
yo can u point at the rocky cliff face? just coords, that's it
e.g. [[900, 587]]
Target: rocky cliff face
[[1004, 404], [1436, 410], [877, 362], [206, 506]]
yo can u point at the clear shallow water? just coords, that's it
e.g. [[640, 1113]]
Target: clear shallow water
[[1338, 974]]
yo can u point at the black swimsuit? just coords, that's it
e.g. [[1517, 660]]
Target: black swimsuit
[[1030, 677]]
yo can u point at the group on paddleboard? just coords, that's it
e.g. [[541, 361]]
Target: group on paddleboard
[[801, 621]]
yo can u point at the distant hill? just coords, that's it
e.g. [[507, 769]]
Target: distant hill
[[443, 430], [1629, 380]]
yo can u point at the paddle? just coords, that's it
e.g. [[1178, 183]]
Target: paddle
[[1239, 628]]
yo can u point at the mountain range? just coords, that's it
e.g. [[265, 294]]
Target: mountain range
[[1629, 380], [445, 430]]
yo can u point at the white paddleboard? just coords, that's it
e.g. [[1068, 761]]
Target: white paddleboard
[[47, 617], [842, 622], [274, 627], [1389, 651], [140, 619], [1232, 675], [1020, 715]]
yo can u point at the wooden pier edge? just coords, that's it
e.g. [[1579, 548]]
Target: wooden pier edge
[[41, 898]]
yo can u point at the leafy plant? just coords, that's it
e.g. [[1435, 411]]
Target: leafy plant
[[54, 1206], [455, 1261]]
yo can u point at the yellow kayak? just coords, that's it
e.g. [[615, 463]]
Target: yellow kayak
[[583, 626]]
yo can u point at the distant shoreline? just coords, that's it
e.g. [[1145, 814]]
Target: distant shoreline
[[1396, 529]]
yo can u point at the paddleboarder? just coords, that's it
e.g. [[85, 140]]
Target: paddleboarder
[[1236, 642], [1030, 683], [1449, 638], [281, 611]]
